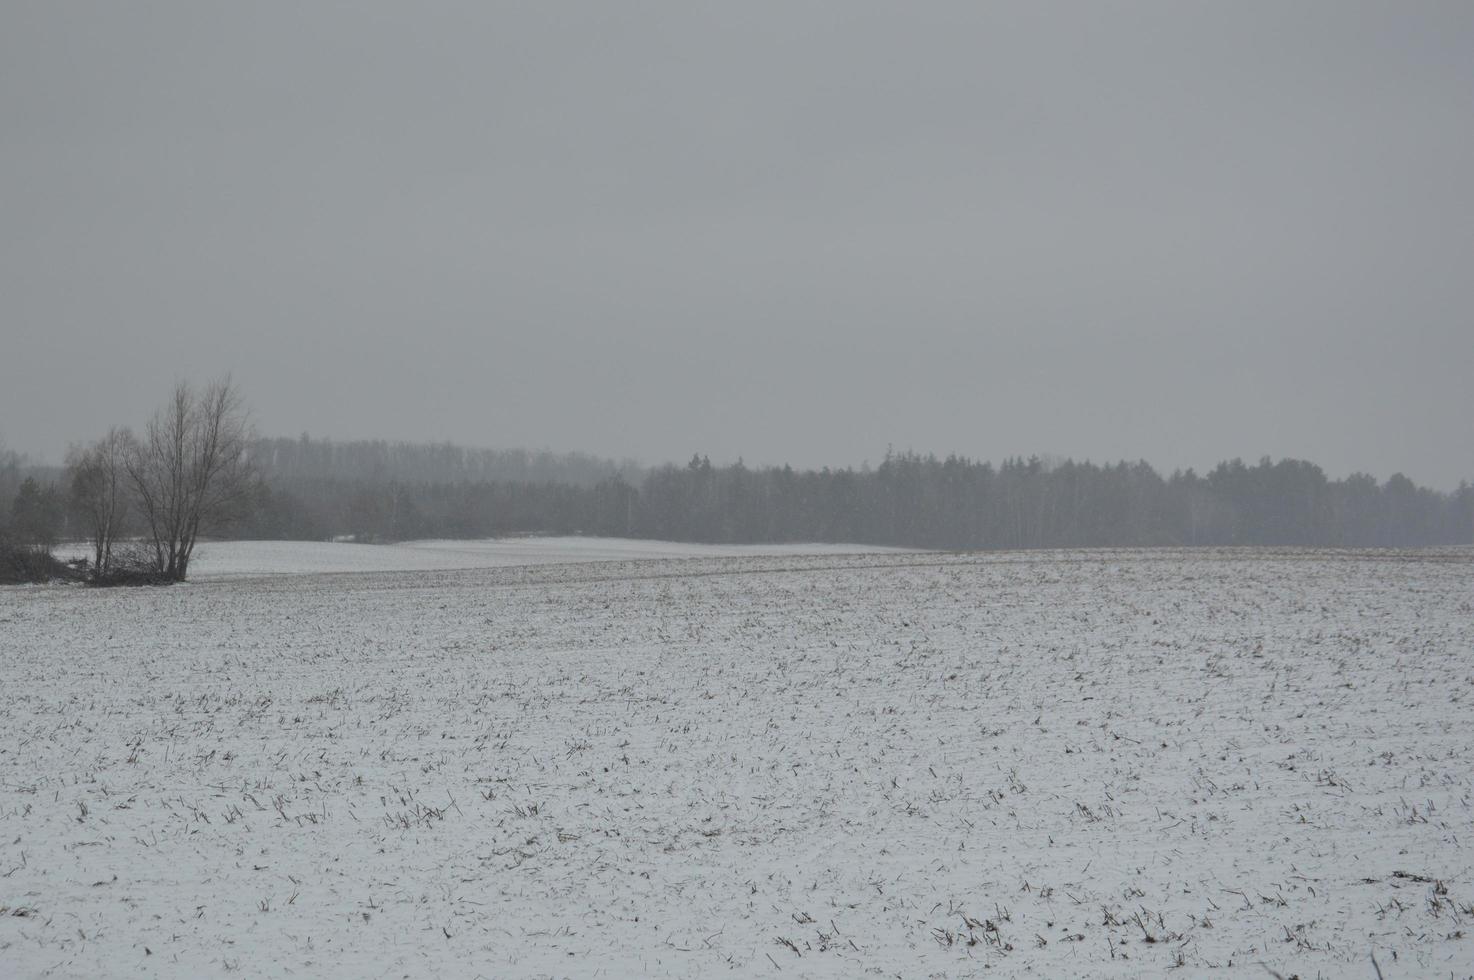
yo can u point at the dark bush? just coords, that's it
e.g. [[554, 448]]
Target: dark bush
[[20, 565]]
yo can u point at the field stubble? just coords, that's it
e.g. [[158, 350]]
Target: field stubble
[[1083, 764]]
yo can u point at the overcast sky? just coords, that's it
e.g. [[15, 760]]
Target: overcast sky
[[787, 231]]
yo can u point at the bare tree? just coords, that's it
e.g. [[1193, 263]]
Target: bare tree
[[190, 470], [98, 482]]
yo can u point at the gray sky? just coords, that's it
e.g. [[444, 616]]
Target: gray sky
[[791, 231]]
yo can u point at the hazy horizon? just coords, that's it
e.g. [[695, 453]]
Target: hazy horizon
[[792, 233], [758, 462]]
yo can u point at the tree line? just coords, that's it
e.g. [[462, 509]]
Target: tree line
[[908, 500], [195, 470], [291, 461]]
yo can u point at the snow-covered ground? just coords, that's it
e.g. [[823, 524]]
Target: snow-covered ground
[[242, 559], [916, 765]]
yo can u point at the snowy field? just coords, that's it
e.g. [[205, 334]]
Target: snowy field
[[1057, 764], [247, 559]]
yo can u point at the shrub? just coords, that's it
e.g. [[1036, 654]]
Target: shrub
[[19, 565]]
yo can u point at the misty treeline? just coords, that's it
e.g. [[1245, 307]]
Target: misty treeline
[[306, 460], [381, 492], [142, 502]]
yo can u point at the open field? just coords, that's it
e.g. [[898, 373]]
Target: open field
[[916, 765], [245, 559]]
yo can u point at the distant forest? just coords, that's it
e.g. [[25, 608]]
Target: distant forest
[[380, 491], [376, 491]]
